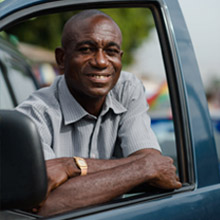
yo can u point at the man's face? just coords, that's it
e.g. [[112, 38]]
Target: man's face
[[93, 57]]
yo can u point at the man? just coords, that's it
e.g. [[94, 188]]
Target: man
[[95, 113]]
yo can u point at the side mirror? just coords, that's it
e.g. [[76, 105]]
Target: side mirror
[[23, 179]]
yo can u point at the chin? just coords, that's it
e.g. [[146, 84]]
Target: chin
[[99, 93]]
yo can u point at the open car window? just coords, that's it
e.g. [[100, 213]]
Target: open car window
[[147, 55], [142, 57]]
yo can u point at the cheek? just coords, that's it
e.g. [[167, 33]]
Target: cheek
[[116, 62], [79, 63], [73, 67], [117, 65]]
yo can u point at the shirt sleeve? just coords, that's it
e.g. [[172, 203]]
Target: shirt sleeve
[[43, 126], [135, 132]]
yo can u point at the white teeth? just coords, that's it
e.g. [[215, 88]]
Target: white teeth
[[99, 77]]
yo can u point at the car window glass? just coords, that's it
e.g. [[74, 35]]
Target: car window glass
[[207, 50], [5, 98], [21, 81], [148, 66]]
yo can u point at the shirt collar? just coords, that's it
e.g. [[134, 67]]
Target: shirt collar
[[72, 111], [112, 103]]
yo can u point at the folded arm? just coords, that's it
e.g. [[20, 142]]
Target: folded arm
[[59, 170], [108, 179]]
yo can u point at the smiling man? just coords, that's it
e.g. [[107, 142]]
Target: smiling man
[[93, 121], [91, 59]]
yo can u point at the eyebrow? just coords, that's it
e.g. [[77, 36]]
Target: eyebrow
[[92, 43], [111, 43], [89, 42]]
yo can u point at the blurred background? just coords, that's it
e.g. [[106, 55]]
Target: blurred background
[[203, 21], [38, 38]]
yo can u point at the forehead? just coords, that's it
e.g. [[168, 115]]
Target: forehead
[[98, 28]]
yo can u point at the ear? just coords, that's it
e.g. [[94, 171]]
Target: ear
[[60, 58], [121, 53]]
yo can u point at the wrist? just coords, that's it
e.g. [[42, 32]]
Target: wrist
[[81, 164], [72, 169]]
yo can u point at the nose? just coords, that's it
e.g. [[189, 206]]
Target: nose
[[99, 60]]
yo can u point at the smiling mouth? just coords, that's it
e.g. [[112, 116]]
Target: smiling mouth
[[99, 76]]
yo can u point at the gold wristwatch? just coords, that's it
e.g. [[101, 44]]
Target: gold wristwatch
[[81, 164]]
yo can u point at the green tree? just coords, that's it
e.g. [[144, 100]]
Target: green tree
[[135, 24], [45, 31]]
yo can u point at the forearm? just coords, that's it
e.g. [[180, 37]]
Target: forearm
[[59, 170], [102, 186], [93, 189], [96, 165]]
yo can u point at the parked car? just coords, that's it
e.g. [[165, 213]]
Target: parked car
[[194, 144]]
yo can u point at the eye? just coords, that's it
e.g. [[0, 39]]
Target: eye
[[112, 51], [86, 49]]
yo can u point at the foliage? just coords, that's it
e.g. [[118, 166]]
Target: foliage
[[135, 24], [46, 30]]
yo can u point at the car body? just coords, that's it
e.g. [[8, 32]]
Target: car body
[[198, 165]]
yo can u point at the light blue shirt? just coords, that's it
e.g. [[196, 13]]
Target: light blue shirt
[[66, 129]]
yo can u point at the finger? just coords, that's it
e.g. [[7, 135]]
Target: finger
[[52, 185], [176, 182], [178, 185], [177, 178], [35, 210], [169, 159]]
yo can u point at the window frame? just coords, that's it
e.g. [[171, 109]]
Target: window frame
[[177, 96]]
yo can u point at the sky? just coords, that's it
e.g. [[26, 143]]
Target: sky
[[203, 20]]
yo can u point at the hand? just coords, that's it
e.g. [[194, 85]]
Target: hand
[[162, 172], [59, 170]]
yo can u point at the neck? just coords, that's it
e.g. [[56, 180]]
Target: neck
[[92, 105]]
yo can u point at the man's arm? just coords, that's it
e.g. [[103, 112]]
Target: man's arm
[[102, 186], [59, 170]]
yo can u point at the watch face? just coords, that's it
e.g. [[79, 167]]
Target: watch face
[[81, 163]]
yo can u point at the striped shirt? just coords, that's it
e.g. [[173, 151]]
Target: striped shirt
[[66, 129]]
